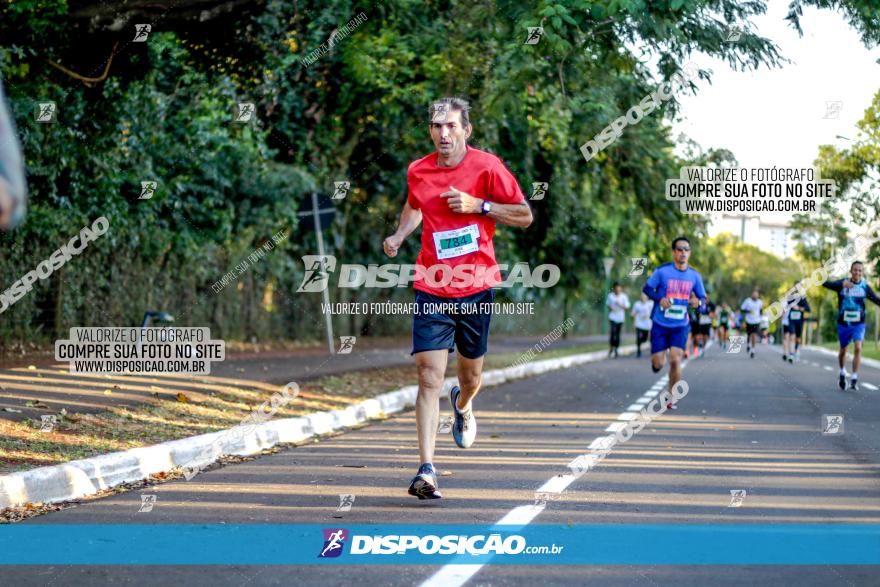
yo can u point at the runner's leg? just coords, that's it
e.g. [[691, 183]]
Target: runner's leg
[[659, 344], [857, 358], [431, 367], [841, 356], [470, 377], [674, 368], [658, 360]]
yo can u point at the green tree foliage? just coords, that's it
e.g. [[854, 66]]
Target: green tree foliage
[[357, 113]]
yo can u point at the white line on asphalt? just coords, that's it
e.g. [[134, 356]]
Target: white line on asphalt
[[638, 405], [827, 368], [457, 574], [870, 386]]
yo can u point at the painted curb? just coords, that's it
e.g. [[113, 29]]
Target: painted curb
[[89, 476]]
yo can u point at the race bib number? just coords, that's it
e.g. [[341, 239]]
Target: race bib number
[[457, 242], [795, 315], [851, 315], [705, 320], [675, 312]]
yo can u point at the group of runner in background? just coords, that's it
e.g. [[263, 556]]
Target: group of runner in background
[[707, 321], [700, 320]]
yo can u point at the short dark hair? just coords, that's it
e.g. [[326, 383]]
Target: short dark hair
[[680, 238], [455, 104], [615, 284], [854, 263]]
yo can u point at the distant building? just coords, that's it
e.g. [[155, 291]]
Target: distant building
[[772, 236]]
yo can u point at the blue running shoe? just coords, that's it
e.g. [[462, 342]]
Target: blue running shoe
[[464, 429], [424, 484]]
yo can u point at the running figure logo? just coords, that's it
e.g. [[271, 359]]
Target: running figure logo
[[244, 112], [346, 344], [736, 343], [318, 270], [439, 112], [46, 112], [832, 109], [832, 424], [542, 497], [638, 266], [147, 503], [141, 32], [148, 188], [341, 189], [334, 540], [535, 33], [345, 503], [733, 34], [736, 498], [539, 190], [445, 426], [47, 423]]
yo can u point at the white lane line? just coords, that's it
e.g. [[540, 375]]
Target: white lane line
[[457, 574], [827, 368], [642, 401], [638, 406], [870, 386]]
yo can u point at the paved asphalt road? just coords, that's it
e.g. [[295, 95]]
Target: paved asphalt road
[[752, 424]]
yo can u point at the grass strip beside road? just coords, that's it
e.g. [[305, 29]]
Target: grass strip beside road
[[869, 349]]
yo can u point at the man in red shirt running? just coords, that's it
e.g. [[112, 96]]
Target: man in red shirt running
[[460, 193]]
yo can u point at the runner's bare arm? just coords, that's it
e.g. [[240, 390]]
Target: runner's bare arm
[[410, 218], [519, 215], [510, 214]]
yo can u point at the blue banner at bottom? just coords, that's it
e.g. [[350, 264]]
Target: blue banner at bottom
[[301, 544]]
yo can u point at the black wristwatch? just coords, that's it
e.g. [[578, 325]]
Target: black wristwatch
[[486, 207]]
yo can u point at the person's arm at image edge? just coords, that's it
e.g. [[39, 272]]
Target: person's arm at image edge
[[13, 191]]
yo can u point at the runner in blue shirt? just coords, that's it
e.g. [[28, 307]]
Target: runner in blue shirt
[[673, 287], [851, 294]]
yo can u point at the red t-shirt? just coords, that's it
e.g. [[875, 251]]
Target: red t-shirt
[[457, 239]]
